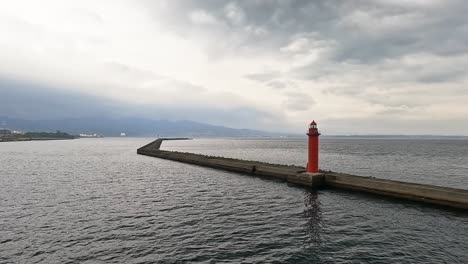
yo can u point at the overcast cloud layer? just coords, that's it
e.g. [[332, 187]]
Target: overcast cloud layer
[[362, 66]]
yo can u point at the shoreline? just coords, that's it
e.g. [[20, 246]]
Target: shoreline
[[33, 139]]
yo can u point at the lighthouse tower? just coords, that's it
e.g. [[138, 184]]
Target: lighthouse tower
[[312, 164]]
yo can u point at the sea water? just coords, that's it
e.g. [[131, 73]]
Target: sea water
[[97, 201]]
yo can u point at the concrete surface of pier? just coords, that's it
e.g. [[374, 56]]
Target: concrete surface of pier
[[451, 197]]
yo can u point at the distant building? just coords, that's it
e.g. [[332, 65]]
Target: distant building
[[123, 134], [84, 135]]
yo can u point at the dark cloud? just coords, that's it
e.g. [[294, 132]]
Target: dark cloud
[[27, 100], [365, 31], [32, 101], [442, 76], [349, 34]]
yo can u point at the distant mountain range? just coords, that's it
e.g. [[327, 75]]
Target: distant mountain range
[[131, 127], [140, 127]]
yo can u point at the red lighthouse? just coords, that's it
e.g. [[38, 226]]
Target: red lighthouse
[[312, 164]]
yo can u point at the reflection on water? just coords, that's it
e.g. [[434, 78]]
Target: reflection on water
[[313, 215]]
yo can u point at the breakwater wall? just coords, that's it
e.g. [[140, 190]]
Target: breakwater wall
[[451, 197]]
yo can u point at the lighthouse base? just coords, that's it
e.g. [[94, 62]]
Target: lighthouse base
[[307, 179], [312, 168]]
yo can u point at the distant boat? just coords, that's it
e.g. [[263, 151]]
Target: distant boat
[[123, 134]]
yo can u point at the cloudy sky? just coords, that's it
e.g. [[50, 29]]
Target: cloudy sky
[[357, 66]]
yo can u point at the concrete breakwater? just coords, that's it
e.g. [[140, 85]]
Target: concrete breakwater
[[451, 197]]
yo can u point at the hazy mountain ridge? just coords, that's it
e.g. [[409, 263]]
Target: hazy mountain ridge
[[131, 127]]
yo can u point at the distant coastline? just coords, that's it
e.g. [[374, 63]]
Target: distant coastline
[[8, 136]]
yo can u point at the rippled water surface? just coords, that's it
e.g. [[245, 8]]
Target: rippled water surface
[[96, 201]]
